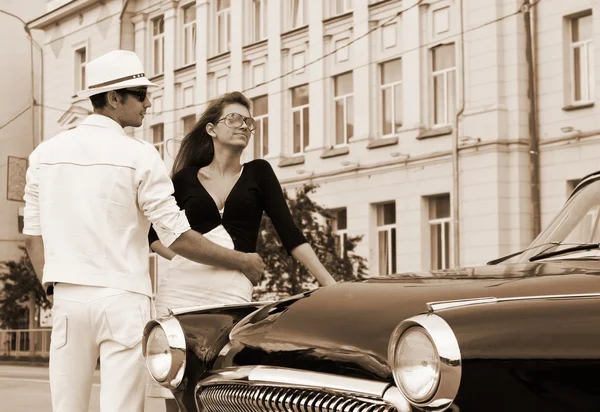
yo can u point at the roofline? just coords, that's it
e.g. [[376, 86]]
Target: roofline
[[66, 10]]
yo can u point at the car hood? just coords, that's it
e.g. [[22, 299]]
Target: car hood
[[349, 324]]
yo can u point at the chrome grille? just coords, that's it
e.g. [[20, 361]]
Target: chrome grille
[[259, 398]]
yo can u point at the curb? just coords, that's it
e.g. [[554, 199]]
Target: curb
[[23, 363]]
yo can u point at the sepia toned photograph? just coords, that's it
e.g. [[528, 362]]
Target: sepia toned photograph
[[299, 205]]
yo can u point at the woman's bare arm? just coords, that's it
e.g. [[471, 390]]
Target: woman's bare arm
[[305, 254]]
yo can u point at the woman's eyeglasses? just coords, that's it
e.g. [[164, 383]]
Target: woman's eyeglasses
[[140, 94], [235, 120]]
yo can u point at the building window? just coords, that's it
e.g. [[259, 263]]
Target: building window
[[258, 20], [188, 124], [158, 138], [158, 45], [260, 112], [189, 34], [582, 59], [300, 118], [296, 14], [344, 107], [386, 234], [339, 7], [223, 23], [444, 84], [339, 223], [439, 231], [80, 62], [222, 85], [391, 96]]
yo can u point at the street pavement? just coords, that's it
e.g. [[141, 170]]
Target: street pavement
[[26, 388]]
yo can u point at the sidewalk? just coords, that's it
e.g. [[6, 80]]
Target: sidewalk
[[25, 388], [33, 373]]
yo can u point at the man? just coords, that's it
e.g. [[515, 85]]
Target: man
[[91, 194]]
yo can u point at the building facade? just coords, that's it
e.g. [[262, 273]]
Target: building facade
[[20, 82], [414, 117]]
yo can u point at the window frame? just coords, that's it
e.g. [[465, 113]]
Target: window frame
[[392, 85], [158, 39], [333, 9], [344, 98], [341, 235], [80, 67], [225, 30], [445, 74], [440, 222], [300, 109], [160, 145], [262, 31], [289, 23], [391, 236], [190, 35], [587, 69], [259, 141]]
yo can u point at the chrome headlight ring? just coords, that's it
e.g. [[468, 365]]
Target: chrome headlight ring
[[164, 348], [443, 368]]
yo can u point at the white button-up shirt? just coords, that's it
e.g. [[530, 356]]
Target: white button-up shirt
[[91, 194]]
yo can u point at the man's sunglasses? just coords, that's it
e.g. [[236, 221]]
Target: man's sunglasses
[[140, 94], [235, 120]]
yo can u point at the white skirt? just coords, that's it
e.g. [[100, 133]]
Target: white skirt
[[188, 283]]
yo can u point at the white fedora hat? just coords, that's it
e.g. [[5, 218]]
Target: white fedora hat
[[118, 69]]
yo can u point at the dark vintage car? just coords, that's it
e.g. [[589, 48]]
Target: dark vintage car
[[520, 334]]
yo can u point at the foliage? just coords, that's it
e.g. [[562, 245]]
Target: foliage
[[17, 280], [285, 276]]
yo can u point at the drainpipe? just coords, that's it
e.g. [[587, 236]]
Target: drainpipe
[[534, 145], [123, 11], [455, 137]]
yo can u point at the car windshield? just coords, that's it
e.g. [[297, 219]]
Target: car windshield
[[578, 222]]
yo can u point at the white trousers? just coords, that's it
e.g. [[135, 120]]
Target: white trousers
[[91, 322]]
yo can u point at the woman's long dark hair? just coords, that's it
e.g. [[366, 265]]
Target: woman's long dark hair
[[197, 148]]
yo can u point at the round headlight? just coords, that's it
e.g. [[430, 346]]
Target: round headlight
[[417, 368], [158, 354]]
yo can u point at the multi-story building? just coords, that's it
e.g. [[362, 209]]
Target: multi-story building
[[419, 119], [20, 80]]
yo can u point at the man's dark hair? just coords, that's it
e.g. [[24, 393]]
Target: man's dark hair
[[99, 101]]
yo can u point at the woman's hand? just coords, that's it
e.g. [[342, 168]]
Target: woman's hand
[[254, 268]]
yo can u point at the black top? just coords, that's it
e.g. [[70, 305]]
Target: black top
[[256, 190]]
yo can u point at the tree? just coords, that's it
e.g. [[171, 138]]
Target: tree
[[19, 286], [285, 276]]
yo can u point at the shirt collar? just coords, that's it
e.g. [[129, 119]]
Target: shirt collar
[[100, 120]]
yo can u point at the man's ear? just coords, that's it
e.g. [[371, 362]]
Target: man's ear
[[210, 129], [113, 99]]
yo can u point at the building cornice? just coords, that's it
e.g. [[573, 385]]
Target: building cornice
[[60, 13]]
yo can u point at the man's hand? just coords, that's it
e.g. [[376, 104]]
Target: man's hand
[[254, 267]]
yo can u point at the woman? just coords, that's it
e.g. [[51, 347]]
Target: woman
[[224, 200]]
